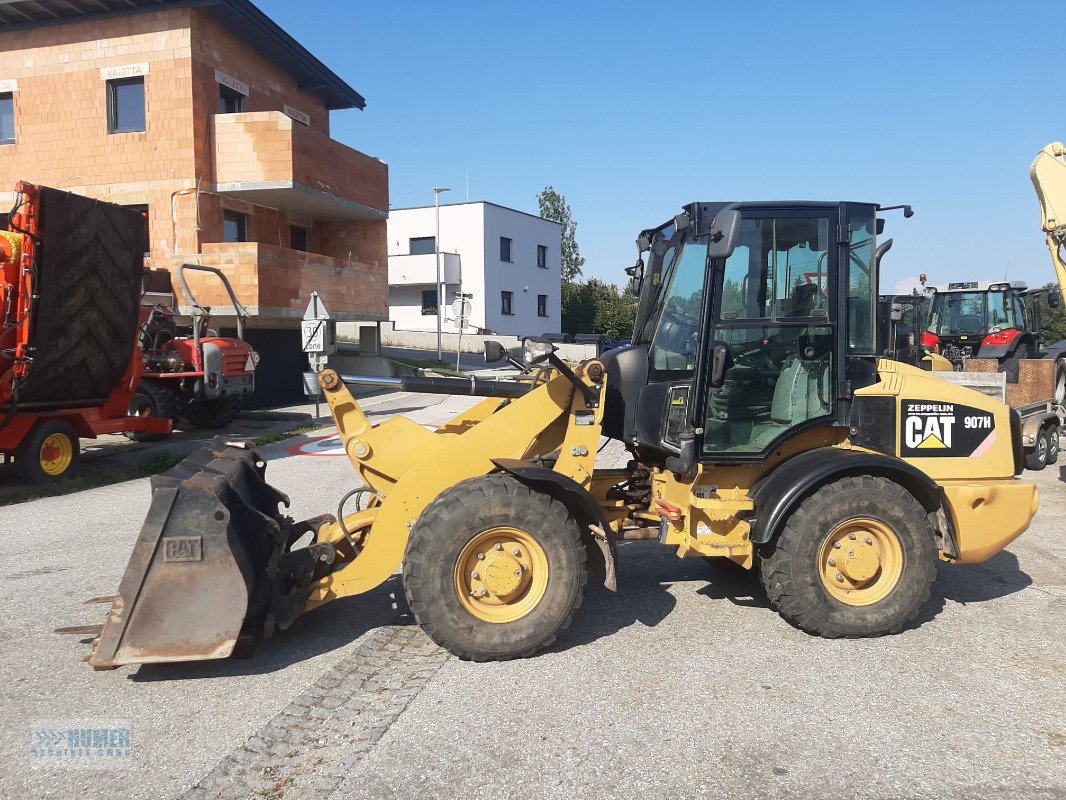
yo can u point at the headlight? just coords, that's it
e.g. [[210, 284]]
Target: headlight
[[534, 349]]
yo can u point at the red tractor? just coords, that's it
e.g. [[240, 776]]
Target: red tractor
[[70, 286], [189, 371]]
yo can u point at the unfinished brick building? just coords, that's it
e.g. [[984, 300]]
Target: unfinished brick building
[[214, 120]]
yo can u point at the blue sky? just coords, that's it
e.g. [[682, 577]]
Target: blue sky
[[632, 109]]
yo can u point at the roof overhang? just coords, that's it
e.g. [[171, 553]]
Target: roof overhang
[[241, 17]]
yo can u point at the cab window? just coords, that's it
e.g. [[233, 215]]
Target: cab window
[[862, 291], [677, 334]]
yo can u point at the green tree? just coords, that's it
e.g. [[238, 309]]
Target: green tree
[[597, 307], [1052, 320], [553, 206]]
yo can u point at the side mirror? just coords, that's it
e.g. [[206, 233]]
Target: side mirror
[[724, 232], [494, 351], [896, 313], [636, 278], [634, 285], [1053, 299], [719, 361]]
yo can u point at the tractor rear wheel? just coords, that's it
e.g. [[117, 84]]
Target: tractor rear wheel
[[494, 570], [48, 452], [153, 400], [855, 559], [213, 413]]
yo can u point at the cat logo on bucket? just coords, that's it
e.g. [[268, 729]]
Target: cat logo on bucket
[[928, 430]]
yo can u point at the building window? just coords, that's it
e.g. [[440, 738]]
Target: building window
[[234, 227], [542, 305], [423, 245], [125, 105], [298, 238], [7, 118], [542, 256], [505, 303], [505, 249], [429, 302], [230, 101]]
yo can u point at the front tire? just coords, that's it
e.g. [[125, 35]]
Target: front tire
[[153, 399], [855, 559], [1037, 458], [213, 413], [1053, 444], [494, 570], [48, 453]]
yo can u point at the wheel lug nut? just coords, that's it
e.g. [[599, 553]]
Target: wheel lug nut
[[516, 552], [518, 573], [867, 540], [832, 562], [475, 574], [497, 546], [480, 556], [851, 536], [840, 577], [851, 554], [836, 545]]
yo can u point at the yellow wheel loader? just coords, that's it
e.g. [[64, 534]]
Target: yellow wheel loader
[[762, 427]]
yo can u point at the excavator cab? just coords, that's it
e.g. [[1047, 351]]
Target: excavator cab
[[755, 323]]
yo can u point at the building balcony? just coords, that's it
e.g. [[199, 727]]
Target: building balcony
[[275, 283], [266, 157], [422, 268]]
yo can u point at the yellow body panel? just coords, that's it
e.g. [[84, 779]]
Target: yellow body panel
[[989, 515]]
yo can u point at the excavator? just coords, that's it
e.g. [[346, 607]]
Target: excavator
[[762, 429], [1048, 173]]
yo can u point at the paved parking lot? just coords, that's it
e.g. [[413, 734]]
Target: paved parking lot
[[684, 684]]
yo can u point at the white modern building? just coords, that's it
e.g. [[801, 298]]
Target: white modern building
[[507, 262]]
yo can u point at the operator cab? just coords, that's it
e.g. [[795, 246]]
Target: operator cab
[[755, 323]]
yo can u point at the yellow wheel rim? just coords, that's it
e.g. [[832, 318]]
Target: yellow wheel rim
[[501, 575], [860, 561], [57, 453]]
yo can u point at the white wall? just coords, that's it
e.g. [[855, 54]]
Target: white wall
[[473, 230]]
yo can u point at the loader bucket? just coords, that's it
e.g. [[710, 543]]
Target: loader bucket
[[212, 564]]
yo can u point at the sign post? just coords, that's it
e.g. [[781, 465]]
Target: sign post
[[461, 309], [318, 334]]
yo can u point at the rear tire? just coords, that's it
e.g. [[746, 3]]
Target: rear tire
[[1053, 444], [153, 400], [1037, 458], [535, 567], [1059, 398], [855, 559], [213, 413], [48, 453]]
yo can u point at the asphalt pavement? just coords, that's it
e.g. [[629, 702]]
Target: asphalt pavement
[[683, 684]]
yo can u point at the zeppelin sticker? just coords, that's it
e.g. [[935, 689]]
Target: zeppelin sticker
[[931, 430]]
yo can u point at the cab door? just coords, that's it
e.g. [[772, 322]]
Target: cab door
[[772, 343]]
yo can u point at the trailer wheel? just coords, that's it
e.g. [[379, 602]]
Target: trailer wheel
[[494, 570], [153, 400], [213, 413], [48, 453], [1059, 397], [1037, 458], [1052, 444], [855, 559]]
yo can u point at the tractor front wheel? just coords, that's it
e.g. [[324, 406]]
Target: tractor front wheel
[[213, 413], [494, 570], [48, 452], [153, 400], [855, 559]]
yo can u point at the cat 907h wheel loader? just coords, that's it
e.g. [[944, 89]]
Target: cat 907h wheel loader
[[762, 426]]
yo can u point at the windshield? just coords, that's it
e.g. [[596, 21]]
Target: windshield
[[659, 261], [971, 313]]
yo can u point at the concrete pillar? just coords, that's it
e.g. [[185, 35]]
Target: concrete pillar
[[370, 339]]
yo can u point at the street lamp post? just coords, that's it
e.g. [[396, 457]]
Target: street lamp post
[[436, 248]]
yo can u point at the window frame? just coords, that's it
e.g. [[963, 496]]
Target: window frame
[[510, 250], [506, 303], [420, 252], [430, 310], [227, 93], [9, 97], [542, 305], [542, 256], [113, 105], [306, 238], [243, 222]]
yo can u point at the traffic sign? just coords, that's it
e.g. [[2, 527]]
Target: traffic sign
[[316, 328]]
